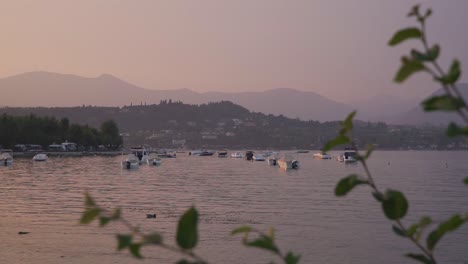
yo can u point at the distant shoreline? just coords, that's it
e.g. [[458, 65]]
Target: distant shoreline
[[70, 153]]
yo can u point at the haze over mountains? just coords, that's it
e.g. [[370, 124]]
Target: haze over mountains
[[62, 90]]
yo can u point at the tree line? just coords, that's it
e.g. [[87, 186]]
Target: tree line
[[44, 131]]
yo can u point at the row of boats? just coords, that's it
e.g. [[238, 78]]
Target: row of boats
[[6, 159]]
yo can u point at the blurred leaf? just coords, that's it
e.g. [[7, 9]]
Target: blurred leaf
[[442, 103], [348, 122], [103, 220], [184, 261], [394, 205], [431, 54], [123, 241], [378, 196], [416, 229], [453, 74], [291, 258], [398, 231], [453, 130], [450, 225], [89, 202], [89, 215], [405, 34], [187, 229], [135, 250], [152, 238], [420, 258], [339, 140], [240, 230], [466, 180], [263, 242], [428, 13], [271, 233], [369, 150], [347, 184], [407, 68]]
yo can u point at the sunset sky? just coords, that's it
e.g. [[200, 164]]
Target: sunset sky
[[335, 48]]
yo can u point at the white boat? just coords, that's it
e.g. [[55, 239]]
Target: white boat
[[258, 157], [40, 157], [237, 155], [6, 159], [130, 162], [321, 155], [287, 162], [140, 153], [153, 160], [272, 161], [201, 153], [348, 156]]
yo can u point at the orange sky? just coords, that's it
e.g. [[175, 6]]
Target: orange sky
[[336, 48]]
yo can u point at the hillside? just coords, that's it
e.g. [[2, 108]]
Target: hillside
[[227, 125], [62, 90]]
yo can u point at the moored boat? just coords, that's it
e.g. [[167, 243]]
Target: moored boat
[[348, 156], [287, 162], [140, 153], [249, 155], [153, 160], [6, 159], [321, 155], [258, 157], [130, 162], [222, 154], [237, 155], [272, 161], [40, 157]]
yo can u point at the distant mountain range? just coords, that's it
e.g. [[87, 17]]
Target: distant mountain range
[[65, 90]]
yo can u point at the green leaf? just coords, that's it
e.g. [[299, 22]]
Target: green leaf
[[135, 250], [103, 220], [240, 230], [291, 258], [263, 242], [339, 140], [466, 180], [369, 150], [347, 184], [89, 215], [123, 241], [184, 261], [408, 67], [89, 202], [348, 122], [398, 231], [453, 130], [187, 229], [454, 72], [394, 205], [428, 13], [419, 257], [152, 238], [443, 103], [450, 225], [405, 34], [431, 54]]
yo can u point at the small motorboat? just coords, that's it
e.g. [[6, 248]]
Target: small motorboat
[[166, 155], [201, 153], [153, 160], [237, 155], [287, 162], [140, 153], [349, 156], [40, 157], [272, 161], [222, 154], [130, 162], [6, 159], [302, 151], [321, 155], [258, 157]]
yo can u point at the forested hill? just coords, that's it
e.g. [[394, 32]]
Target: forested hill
[[227, 125]]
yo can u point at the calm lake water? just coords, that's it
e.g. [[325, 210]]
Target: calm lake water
[[46, 199]]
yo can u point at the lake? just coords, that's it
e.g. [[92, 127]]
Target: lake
[[46, 199]]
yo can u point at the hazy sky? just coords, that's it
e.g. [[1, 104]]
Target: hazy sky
[[335, 48]]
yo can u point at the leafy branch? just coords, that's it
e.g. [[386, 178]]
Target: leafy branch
[[186, 236], [394, 203]]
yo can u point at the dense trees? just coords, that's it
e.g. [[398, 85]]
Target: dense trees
[[44, 131]]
